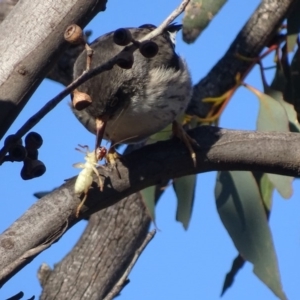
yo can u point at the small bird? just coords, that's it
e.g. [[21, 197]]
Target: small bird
[[129, 105]]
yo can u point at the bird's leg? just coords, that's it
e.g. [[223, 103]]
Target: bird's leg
[[112, 156], [184, 137]]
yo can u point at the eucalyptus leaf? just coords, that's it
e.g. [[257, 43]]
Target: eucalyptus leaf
[[184, 188], [198, 14], [150, 196], [241, 210], [266, 190], [283, 184], [272, 115], [291, 113], [276, 115], [162, 135]]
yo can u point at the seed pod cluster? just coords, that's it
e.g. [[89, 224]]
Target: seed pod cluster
[[32, 167]]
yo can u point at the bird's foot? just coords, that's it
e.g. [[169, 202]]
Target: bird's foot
[[112, 157], [184, 137]]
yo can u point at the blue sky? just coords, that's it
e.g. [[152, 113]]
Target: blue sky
[[177, 264]]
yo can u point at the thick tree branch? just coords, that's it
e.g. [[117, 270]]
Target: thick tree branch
[[33, 33], [220, 149], [62, 71], [5, 8], [105, 249], [250, 41], [124, 279]]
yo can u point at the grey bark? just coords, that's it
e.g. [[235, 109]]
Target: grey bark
[[5, 8], [103, 252], [31, 41]]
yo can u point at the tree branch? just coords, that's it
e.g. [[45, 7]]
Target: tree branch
[[250, 41], [33, 51], [104, 251], [220, 150], [62, 71], [124, 279], [5, 8]]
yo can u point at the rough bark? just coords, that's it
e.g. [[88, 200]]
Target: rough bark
[[105, 249], [31, 41], [5, 8]]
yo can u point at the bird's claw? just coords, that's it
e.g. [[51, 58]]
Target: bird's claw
[[184, 137]]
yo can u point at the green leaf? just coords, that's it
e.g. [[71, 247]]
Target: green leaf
[[272, 115], [150, 196], [266, 191], [241, 210], [283, 184], [291, 113], [276, 115], [162, 135], [198, 14], [184, 188], [291, 41]]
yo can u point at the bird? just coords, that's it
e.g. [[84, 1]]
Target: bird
[[129, 105]]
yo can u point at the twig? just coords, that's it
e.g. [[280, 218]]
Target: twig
[[88, 74], [157, 31], [122, 281]]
